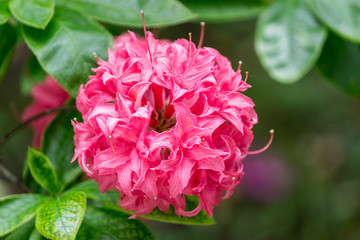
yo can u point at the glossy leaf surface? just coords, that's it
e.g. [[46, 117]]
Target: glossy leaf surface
[[124, 12], [288, 40], [34, 13], [342, 16], [106, 224], [15, 210], [65, 48], [60, 218], [42, 170], [4, 11], [340, 62], [7, 46], [225, 10], [58, 145]]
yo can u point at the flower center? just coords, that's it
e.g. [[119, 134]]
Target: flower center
[[162, 123]]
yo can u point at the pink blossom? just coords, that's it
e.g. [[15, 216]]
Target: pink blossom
[[47, 95], [163, 124]]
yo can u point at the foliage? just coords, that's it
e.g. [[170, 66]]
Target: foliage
[[64, 34], [292, 36]]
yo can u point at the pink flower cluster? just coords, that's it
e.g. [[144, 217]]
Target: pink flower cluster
[[47, 95], [162, 120]]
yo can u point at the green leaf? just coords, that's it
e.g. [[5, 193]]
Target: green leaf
[[341, 16], [65, 48], [288, 40], [91, 190], [124, 12], [26, 232], [225, 10], [4, 11], [191, 203], [34, 13], [60, 218], [23, 232], [30, 181], [111, 198], [339, 63], [42, 170], [58, 145], [15, 210], [35, 235], [107, 224], [7, 45], [31, 75]]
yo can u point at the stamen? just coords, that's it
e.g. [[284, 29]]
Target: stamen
[[111, 144], [243, 82], [146, 39], [266, 146], [189, 47], [95, 56], [155, 198], [202, 25], [75, 120], [233, 181], [239, 67]]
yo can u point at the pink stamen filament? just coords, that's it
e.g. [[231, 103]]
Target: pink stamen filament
[[266, 146], [146, 39], [239, 67], [202, 24], [111, 144], [189, 48], [245, 80]]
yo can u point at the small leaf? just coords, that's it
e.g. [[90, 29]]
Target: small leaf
[[339, 63], [34, 13], [60, 218], [15, 210], [91, 190], [23, 232], [288, 40], [111, 198], [191, 202], [26, 232], [225, 10], [106, 224], [42, 170], [7, 45], [65, 48], [35, 235], [342, 16], [58, 145], [30, 181], [31, 75], [124, 12], [4, 11]]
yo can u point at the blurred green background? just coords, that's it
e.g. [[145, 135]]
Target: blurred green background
[[305, 186]]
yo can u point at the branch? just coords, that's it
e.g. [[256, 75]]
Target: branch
[[12, 178], [12, 132]]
